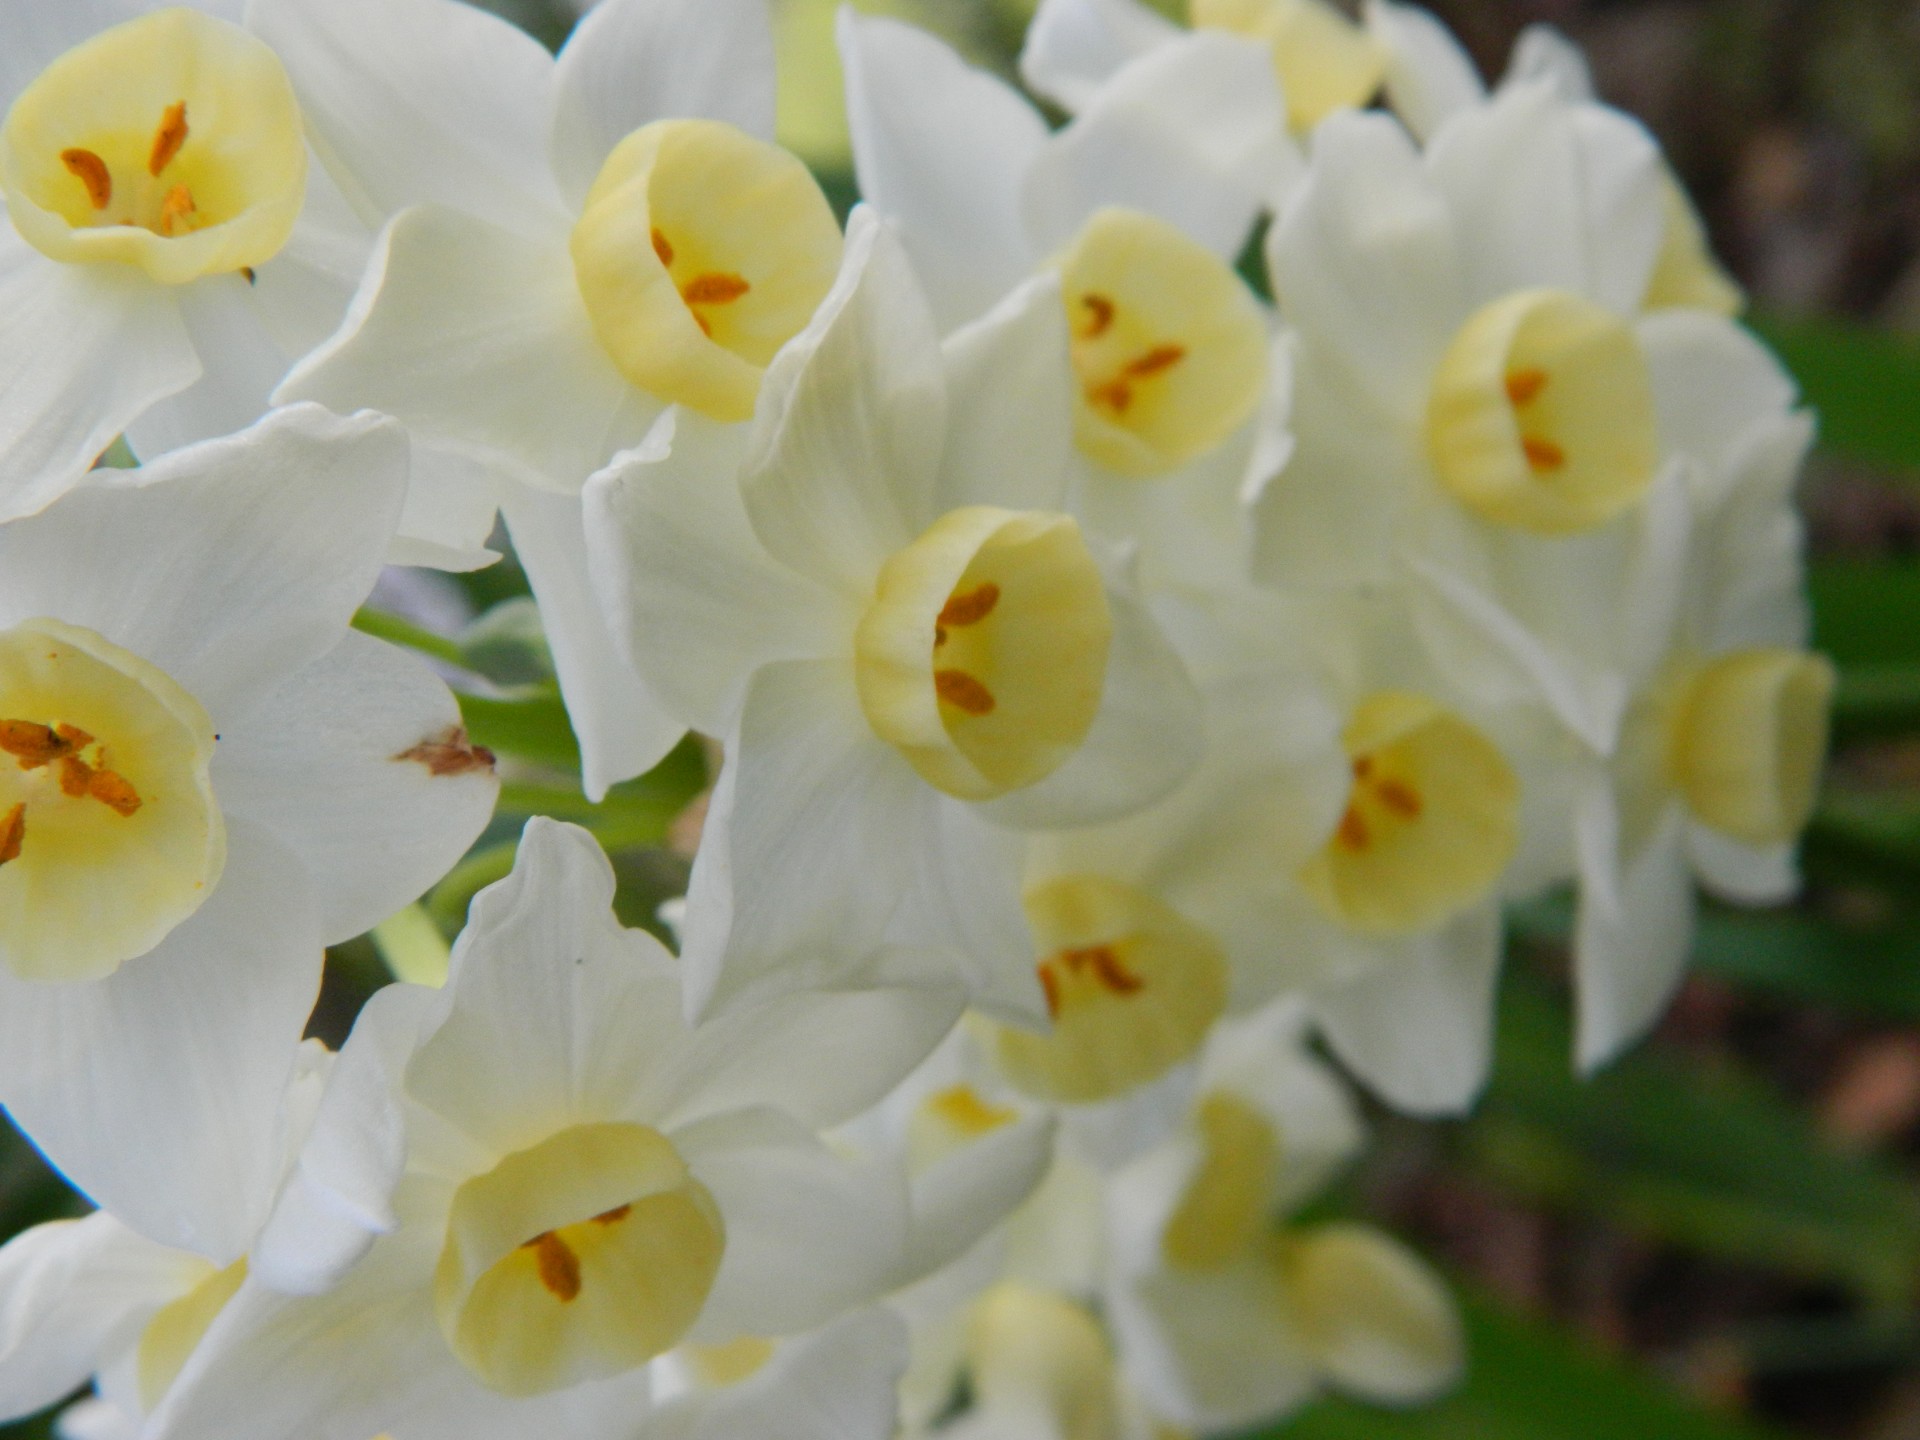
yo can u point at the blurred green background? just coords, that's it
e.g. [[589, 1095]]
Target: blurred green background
[[1720, 1237]]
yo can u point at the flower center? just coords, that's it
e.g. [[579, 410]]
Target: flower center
[[1430, 820], [1747, 740], [109, 832], [1325, 62], [176, 1330], [1542, 414], [983, 654], [1132, 986], [699, 253], [172, 142], [1223, 1213], [578, 1259], [1169, 347]]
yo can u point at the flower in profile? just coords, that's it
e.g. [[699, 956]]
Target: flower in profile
[[205, 777]]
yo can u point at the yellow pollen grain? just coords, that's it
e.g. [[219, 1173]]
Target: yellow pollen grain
[[113, 791], [662, 246], [970, 608], [1524, 386], [175, 210], [1099, 315], [13, 833], [168, 139], [91, 171], [714, 289], [76, 777], [559, 1266], [1543, 454], [76, 737], [963, 692]]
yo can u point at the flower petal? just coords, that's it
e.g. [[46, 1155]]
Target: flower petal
[[835, 1384], [1073, 47], [1381, 1324], [239, 366], [1430, 78], [961, 1198]]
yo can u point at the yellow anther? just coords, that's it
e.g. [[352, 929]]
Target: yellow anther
[[91, 171], [963, 692], [176, 211], [13, 833], [1543, 454], [662, 246], [1159, 358], [32, 744], [168, 139], [113, 791], [970, 608], [559, 1266], [714, 289], [1099, 316]]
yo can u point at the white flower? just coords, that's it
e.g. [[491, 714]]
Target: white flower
[[1224, 1321], [167, 249], [906, 645], [207, 776], [531, 1183], [570, 246]]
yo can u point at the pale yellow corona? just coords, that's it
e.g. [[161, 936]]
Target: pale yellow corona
[[1542, 415], [109, 831], [699, 253], [577, 1259], [176, 1330], [1223, 1213], [171, 142], [1039, 1356], [1169, 346], [1686, 276], [1324, 61], [1132, 986], [1430, 822], [1747, 740], [949, 1120], [983, 654]]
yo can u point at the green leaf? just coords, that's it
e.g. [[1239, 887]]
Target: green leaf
[[1703, 1156], [531, 725], [1528, 1381], [1856, 610], [1861, 381]]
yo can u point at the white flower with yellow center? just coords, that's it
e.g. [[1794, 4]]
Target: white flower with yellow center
[[1321, 59], [1174, 401], [526, 1186], [205, 776], [1225, 1319], [570, 246], [91, 1299], [906, 643], [1430, 79], [166, 249], [1481, 400]]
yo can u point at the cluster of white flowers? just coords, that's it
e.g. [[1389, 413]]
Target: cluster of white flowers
[[1126, 684]]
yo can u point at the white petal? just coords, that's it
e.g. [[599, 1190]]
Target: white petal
[[1383, 1324], [452, 505], [415, 101], [630, 62], [1715, 384], [692, 596], [1551, 194], [809, 1234], [1743, 874], [840, 471], [1365, 262], [189, 1047], [822, 1056], [239, 366], [322, 763], [837, 1384], [1193, 132], [1430, 77], [1073, 47], [1146, 739], [555, 1007], [1010, 403], [230, 564], [811, 837], [957, 1201], [71, 1293], [86, 350], [1543, 53], [941, 150], [622, 728], [476, 337], [1632, 931], [1419, 1030], [302, 292]]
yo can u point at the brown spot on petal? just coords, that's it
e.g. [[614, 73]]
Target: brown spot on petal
[[450, 753]]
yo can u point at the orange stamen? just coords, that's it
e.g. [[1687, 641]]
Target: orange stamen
[[963, 692], [1543, 454], [32, 744], [1524, 386], [714, 289], [175, 209], [76, 777], [613, 1216], [1099, 315], [559, 1266], [1161, 357], [662, 246], [168, 139], [972, 607], [91, 171], [1107, 968], [13, 833], [1115, 395], [1353, 833], [113, 791]]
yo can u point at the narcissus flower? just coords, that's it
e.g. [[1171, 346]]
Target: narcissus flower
[[167, 249], [571, 245], [205, 776], [906, 643], [533, 1182]]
